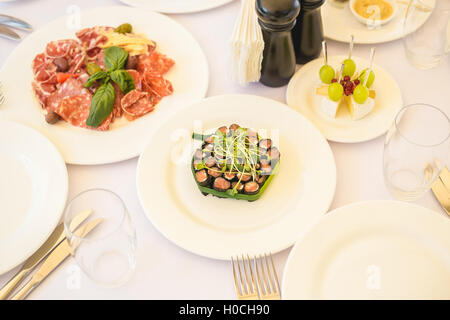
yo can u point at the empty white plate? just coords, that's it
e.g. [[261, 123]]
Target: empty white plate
[[372, 250], [33, 192], [301, 96], [300, 192]]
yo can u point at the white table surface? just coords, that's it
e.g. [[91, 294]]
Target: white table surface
[[165, 271]]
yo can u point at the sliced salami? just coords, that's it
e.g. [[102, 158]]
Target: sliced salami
[[155, 62], [75, 110], [136, 103], [136, 77], [71, 87], [117, 110], [157, 84]]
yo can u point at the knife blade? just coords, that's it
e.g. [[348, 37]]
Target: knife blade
[[442, 194], [8, 33], [14, 22], [57, 236], [61, 252], [445, 177]]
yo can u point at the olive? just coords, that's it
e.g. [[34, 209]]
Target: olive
[[52, 117], [61, 64], [132, 62], [124, 28], [92, 68]]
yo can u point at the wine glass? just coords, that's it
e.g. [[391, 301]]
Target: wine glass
[[107, 253], [415, 150], [426, 46]]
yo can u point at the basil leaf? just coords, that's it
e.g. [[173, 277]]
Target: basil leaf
[[96, 76], [123, 79], [102, 105], [115, 58]]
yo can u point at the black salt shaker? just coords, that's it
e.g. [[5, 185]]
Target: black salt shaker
[[307, 34], [277, 18]]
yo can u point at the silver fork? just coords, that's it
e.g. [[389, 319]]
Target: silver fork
[[246, 288], [2, 96], [269, 288]]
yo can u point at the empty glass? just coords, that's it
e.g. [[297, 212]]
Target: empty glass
[[107, 253], [425, 46], [416, 150]]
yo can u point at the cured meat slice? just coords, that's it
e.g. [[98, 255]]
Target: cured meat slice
[[62, 48], [156, 84], [91, 38], [136, 103], [71, 87], [117, 110], [155, 62], [75, 110], [136, 77]]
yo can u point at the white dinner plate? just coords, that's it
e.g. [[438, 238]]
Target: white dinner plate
[[339, 23], [301, 95], [33, 192], [176, 6], [125, 139], [298, 195], [372, 250]]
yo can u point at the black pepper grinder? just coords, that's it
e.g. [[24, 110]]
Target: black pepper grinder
[[277, 18], [307, 34]]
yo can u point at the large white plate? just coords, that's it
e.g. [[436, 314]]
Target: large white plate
[[125, 139], [219, 228], [339, 23], [177, 6], [301, 95], [33, 192], [372, 250]]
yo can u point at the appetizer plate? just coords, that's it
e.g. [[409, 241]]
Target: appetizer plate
[[33, 192], [176, 6], [300, 192], [372, 250], [339, 23], [125, 139], [301, 96]]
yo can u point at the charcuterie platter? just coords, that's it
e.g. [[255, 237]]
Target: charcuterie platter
[[98, 89]]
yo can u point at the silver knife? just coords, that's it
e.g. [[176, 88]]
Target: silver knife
[[61, 252], [15, 22], [8, 33], [57, 236]]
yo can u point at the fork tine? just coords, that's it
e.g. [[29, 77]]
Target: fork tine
[[275, 275], [243, 287], [270, 272], [258, 276], [236, 284], [264, 276], [252, 274], [247, 279]]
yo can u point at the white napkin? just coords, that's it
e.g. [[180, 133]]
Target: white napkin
[[247, 45]]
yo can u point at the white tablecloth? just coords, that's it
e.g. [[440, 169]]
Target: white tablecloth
[[165, 271]]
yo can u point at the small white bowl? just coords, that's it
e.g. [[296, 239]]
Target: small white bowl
[[371, 22]]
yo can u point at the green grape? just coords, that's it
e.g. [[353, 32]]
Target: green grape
[[361, 93], [349, 67], [326, 74], [362, 78], [335, 91]]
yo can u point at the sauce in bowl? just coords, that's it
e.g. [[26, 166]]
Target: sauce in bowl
[[373, 9]]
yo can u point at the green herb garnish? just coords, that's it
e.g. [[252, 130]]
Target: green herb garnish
[[102, 105], [103, 99]]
